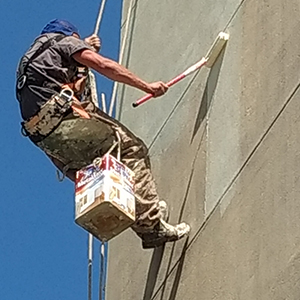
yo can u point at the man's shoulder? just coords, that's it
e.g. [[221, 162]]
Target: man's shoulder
[[56, 38], [73, 40]]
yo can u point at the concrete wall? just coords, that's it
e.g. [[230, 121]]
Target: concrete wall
[[225, 151]]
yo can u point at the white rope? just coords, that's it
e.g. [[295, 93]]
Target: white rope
[[99, 19], [101, 279], [94, 97], [113, 97], [90, 266], [103, 102], [93, 87]]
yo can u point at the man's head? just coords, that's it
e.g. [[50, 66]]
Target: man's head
[[60, 26]]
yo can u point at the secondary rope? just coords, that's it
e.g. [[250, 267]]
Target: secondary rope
[[95, 101], [102, 272], [90, 265], [121, 55], [99, 19]]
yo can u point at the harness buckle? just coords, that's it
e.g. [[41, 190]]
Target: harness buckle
[[67, 94]]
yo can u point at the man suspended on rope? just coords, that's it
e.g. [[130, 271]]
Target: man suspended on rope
[[73, 133]]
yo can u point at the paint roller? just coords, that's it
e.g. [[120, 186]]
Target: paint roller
[[207, 61]]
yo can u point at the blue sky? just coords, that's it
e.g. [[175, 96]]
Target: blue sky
[[43, 253]]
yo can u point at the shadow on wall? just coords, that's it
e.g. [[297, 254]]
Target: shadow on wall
[[179, 267], [156, 260], [158, 256], [209, 91], [154, 270]]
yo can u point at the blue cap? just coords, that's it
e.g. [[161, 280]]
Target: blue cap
[[60, 26]]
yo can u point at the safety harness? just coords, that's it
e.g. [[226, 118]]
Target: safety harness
[[55, 109], [22, 76]]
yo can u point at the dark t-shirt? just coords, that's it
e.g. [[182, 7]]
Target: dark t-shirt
[[48, 72]]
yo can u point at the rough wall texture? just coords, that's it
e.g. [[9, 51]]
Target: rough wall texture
[[225, 151]]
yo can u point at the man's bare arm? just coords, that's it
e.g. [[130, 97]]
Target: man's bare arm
[[117, 72]]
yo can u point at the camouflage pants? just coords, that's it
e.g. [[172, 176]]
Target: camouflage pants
[[78, 141]]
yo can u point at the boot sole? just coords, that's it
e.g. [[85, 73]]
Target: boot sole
[[155, 243]]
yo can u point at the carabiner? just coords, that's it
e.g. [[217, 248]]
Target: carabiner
[[67, 94], [21, 82]]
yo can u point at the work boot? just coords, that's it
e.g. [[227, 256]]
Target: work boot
[[163, 233]]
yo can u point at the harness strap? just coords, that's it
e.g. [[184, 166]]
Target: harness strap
[[47, 119], [76, 105], [51, 114], [21, 80]]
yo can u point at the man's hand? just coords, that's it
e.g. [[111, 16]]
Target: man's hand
[[158, 88], [94, 41]]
